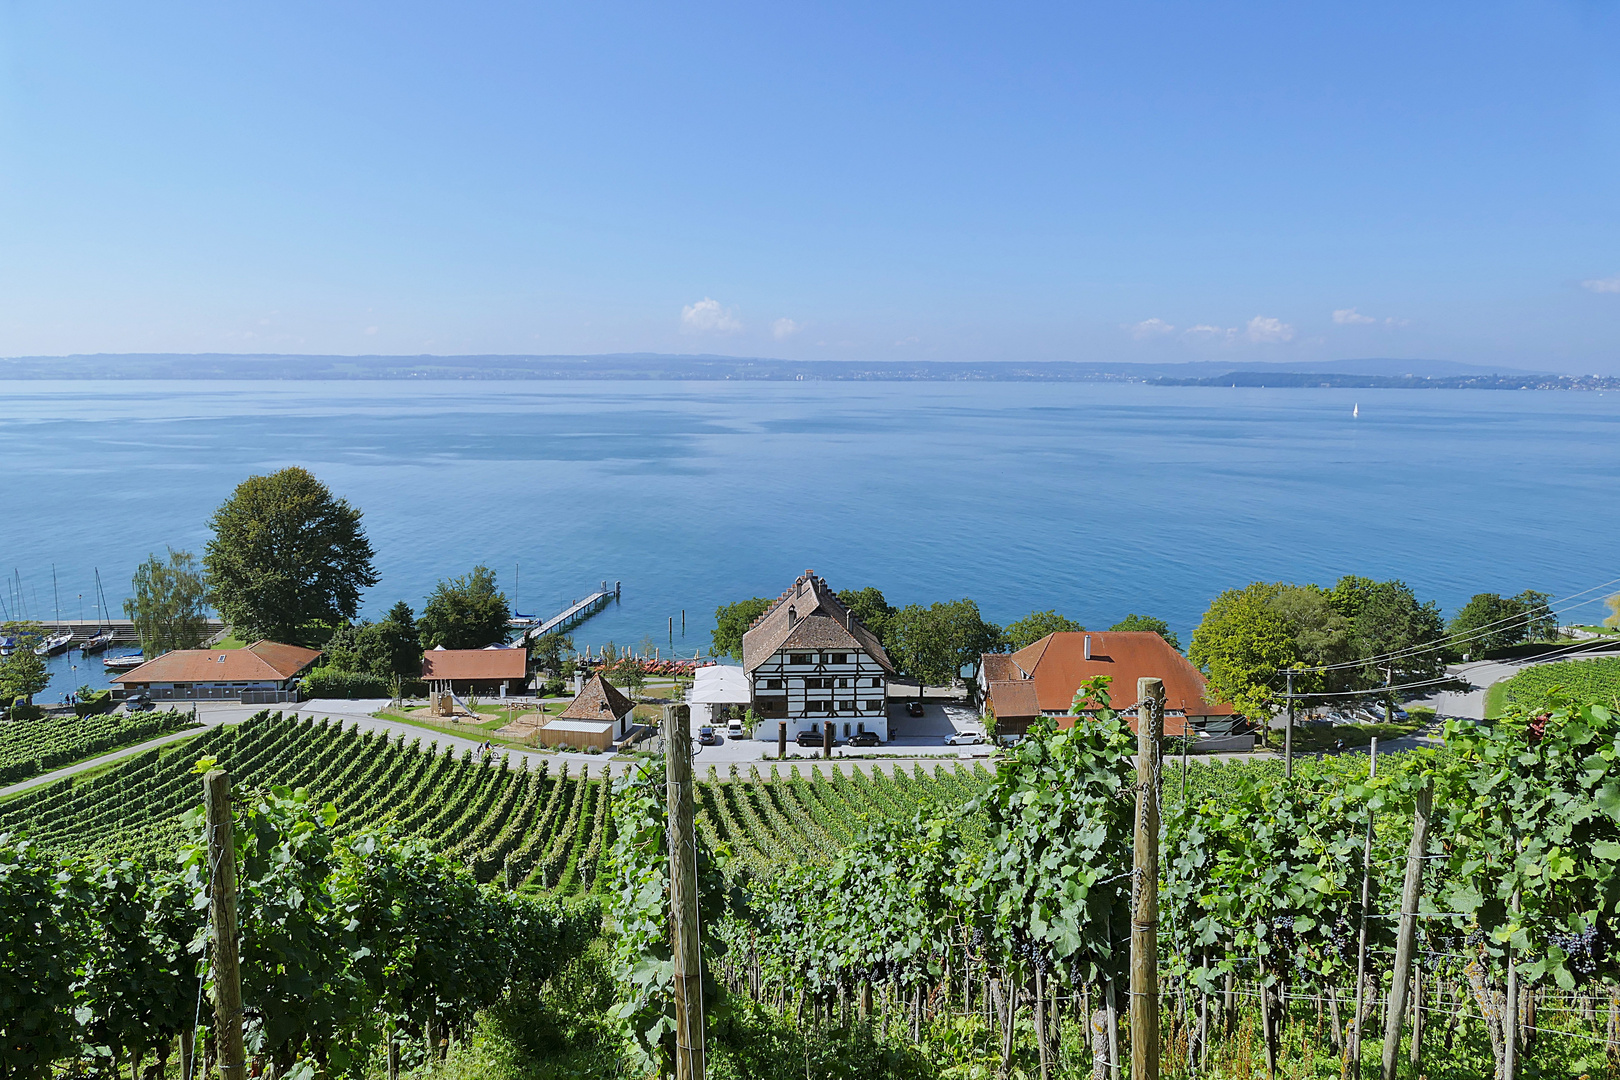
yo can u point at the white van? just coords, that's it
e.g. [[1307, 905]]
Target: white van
[[734, 730]]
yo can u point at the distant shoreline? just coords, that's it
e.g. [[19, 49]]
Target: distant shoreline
[[645, 367]]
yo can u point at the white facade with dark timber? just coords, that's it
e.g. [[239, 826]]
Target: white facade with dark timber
[[810, 662]]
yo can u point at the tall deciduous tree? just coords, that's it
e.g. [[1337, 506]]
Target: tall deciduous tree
[[869, 606], [1240, 644], [731, 622], [934, 644], [1488, 621], [399, 641], [167, 607], [1036, 625], [1147, 624], [287, 553], [466, 612], [551, 651], [1398, 637], [23, 673]]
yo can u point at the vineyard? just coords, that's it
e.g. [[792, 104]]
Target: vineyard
[[965, 924], [1589, 680], [31, 747], [525, 828]]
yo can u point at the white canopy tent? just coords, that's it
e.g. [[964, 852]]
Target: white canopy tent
[[715, 687]]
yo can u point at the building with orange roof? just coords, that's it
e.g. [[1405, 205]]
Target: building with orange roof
[[1041, 680], [267, 670], [495, 670]]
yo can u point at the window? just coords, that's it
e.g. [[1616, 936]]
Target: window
[[878, 681], [874, 706], [846, 706], [818, 684], [846, 731], [799, 658], [818, 706], [838, 658], [773, 684], [843, 684]]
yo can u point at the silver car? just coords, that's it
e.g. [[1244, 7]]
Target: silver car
[[964, 738]]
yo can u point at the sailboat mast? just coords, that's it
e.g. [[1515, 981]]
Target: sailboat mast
[[56, 597]]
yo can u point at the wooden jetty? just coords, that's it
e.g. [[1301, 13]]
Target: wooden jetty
[[572, 615]]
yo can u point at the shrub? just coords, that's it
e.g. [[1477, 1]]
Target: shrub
[[327, 683]]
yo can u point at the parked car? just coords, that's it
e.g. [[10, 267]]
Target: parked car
[[137, 703], [708, 737], [865, 738], [964, 738], [811, 738], [914, 708], [734, 729]]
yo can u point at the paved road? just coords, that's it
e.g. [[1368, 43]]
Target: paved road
[[1481, 675]]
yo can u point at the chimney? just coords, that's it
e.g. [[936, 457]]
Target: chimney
[[793, 615], [1088, 646]]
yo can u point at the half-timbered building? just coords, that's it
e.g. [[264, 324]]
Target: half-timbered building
[[810, 662]]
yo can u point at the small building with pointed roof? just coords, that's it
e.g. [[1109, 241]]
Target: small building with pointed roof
[[810, 662], [598, 716]]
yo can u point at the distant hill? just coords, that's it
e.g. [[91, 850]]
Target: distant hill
[[640, 366], [1317, 380]]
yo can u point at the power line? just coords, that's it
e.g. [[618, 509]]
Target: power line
[[1456, 639]]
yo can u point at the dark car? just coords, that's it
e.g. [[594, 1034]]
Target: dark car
[[811, 738], [708, 737], [914, 708], [137, 703], [864, 738]]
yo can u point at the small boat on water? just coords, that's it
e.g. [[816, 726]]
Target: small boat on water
[[97, 641], [6, 645], [57, 642], [123, 663]]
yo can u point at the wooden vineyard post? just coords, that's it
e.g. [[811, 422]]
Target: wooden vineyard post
[[1288, 731], [685, 947], [826, 739], [1406, 942], [1361, 942], [1145, 890], [222, 914], [781, 740]]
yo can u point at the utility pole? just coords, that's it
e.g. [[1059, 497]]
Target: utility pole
[[1145, 909], [222, 913], [1366, 899], [1288, 731], [686, 948], [1406, 941]]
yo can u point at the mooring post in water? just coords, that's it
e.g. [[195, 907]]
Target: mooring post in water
[[1145, 884]]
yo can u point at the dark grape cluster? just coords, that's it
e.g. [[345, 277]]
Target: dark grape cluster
[[1588, 949]]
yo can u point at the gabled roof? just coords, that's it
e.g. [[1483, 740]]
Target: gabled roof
[[488, 664], [809, 616], [262, 661], [1057, 665], [598, 700]]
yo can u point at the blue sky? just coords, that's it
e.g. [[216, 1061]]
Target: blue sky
[[1142, 181]]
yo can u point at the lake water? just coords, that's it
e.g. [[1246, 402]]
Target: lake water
[[1096, 499]]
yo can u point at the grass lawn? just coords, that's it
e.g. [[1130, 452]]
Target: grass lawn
[[1496, 699], [1310, 739], [495, 717]]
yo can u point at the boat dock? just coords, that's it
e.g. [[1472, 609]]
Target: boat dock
[[123, 630], [573, 615]]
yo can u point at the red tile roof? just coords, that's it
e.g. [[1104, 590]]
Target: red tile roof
[[262, 661], [485, 664], [1057, 665], [598, 699]]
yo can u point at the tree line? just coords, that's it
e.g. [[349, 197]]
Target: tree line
[[937, 643]]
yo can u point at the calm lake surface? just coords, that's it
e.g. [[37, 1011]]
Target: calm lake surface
[[1095, 499]]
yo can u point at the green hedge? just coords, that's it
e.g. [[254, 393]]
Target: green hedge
[[326, 683]]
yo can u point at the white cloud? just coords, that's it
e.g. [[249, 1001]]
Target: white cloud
[[1393, 321], [1206, 330], [1351, 317], [1263, 328], [1608, 284], [912, 340], [708, 317], [371, 330], [785, 328], [1151, 328]]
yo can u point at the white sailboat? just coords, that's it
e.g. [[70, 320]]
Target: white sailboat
[[1356, 411]]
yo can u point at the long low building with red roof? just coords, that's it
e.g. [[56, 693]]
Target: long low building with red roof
[[494, 670], [262, 668], [1042, 679]]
